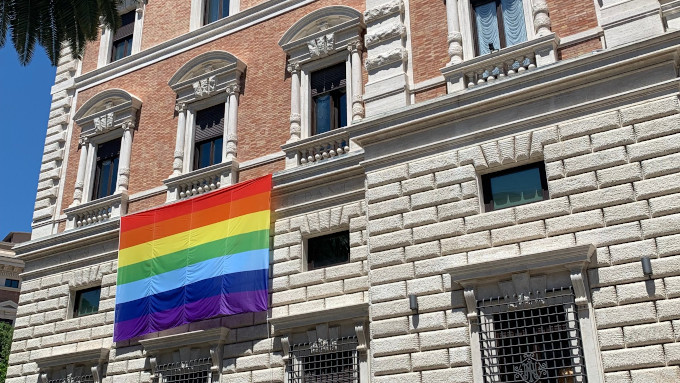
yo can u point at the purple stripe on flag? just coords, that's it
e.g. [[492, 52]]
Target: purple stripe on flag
[[225, 304]]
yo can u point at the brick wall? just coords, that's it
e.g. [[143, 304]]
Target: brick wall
[[428, 38], [6, 295], [164, 20], [571, 16], [579, 49]]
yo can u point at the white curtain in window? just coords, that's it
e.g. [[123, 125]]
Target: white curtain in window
[[513, 22], [487, 27]]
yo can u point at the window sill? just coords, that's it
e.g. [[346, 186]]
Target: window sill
[[201, 181], [99, 210]]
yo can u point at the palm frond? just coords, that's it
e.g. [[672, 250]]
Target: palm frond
[[25, 28], [6, 13]]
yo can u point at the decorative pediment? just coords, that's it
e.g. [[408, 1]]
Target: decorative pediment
[[107, 110], [205, 75], [322, 32]]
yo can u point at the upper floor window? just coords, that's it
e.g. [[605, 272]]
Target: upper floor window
[[328, 250], [215, 10], [329, 99], [11, 283], [86, 301], [122, 40], [498, 24], [208, 136], [516, 186], [106, 169]]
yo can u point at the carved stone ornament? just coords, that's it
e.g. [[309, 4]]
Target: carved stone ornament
[[580, 290], [293, 67], [43, 378], [103, 123], [285, 346], [233, 89], [83, 141], [359, 329], [180, 107], [321, 46], [204, 86], [471, 303], [530, 370]]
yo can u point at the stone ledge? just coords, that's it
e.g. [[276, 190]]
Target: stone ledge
[[94, 355], [213, 337], [282, 324]]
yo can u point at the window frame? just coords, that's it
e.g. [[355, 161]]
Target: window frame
[[220, 11], [308, 266], [485, 184], [336, 117], [113, 176], [499, 19], [91, 169], [197, 17], [77, 294], [192, 110], [106, 42], [18, 282]]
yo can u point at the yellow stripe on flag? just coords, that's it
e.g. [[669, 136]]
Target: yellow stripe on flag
[[187, 239]]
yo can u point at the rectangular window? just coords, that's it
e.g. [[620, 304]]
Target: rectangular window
[[516, 186], [86, 302], [329, 99], [11, 283], [498, 24], [106, 169], [531, 338], [208, 136], [215, 10], [332, 361], [193, 371], [74, 379], [328, 250], [122, 40]]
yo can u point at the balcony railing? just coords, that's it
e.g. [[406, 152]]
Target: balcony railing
[[201, 181], [501, 64], [99, 210], [317, 148]]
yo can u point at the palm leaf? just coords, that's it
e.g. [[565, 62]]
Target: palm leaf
[[6, 12], [25, 28]]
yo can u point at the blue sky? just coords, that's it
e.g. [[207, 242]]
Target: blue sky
[[24, 108]]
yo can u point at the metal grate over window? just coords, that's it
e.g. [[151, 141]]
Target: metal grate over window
[[193, 371], [74, 379], [534, 338], [334, 361]]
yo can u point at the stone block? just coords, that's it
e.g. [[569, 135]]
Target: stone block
[[554, 170], [420, 217], [389, 327], [348, 270], [386, 224], [657, 128], [387, 257], [612, 138], [422, 251], [393, 174], [611, 338], [659, 166], [424, 286], [669, 245], [547, 244], [252, 362], [439, 230], [356, 284], [572, 185], [430, 360], [436, 197], [574, 222], [619, 174], [637, 313], [385, 192], [665, 205], [667, 266], [629, 212], [392, 364], [392, 274], [590, 125], [454, 337], [615, 195], [462, 243], [594, 161], [648, 334], [427, 322], [630, 252], [606, 276], [656, 147], [395, 345], [391, 240], [388, 292], [541, 138], [472, 155], [439, 265], [460, 356], [389, 207], [433, 164], [289, 296], [517, 233], [610, 235], [604, 297], [325, 290], [668, 309], [490, 220], [650, 356], [653, 375], [458, 209], [661, 226], [286, 268], [411, 377], [649, 110], [455, 176], [418, 184], [544, 209], [494, 253], [287, 239], [568, 148]]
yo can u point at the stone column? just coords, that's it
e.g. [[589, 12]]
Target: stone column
[[294, 69], [80, 178], [139, 24], [541, 18], [105, 41], [357, 84], [231, 119], [455, 38], [178, 162], [124, 159]]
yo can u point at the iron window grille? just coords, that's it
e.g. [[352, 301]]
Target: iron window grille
[[193, 371], [531, 338], [74, 379], [334, 361]]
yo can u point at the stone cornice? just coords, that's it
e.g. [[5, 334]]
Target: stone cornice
[[212, 337], [284, 324], [96, 355]]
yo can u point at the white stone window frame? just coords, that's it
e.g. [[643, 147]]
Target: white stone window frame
[[109, 115], [572, 261], [198, 12], [325, 37], [92, 359], [210, 79], [460, 26], [106, 39]]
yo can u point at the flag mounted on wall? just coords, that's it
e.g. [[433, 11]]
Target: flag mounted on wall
[[194, 260]]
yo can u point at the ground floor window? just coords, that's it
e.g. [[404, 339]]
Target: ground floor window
[[332, 361], [193, 371]]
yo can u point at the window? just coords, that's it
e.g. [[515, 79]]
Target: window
[[12, 283], [328, 250], [498, 24], [193, 371], [334, 361], [215, 10], [531, 338], [122, 40], [329, 99], [516, 186], [74, 379], [106, 169], [208, 136], [86, 302], [8, 321]]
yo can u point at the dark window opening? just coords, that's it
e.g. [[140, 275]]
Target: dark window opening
[[208, 136], [86, 302], [215, 10], [328, 250], [516, 186], [193, 371], [333, 361], [329, 99], [12, 283], [498, 24], [8, 321], [106, 169], [122, 40]]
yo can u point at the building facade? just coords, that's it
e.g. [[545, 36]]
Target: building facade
[[464, 191], [10, 269]]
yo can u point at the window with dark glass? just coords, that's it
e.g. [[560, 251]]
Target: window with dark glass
[[106, 169], [329, 99], [11, 283], [86, 302], [122, 40], [208, 136], [328, 250], [516, 186], [498, 24], [333, 361], [215, 10]]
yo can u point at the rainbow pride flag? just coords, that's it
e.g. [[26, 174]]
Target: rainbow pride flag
[[194, 260]]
